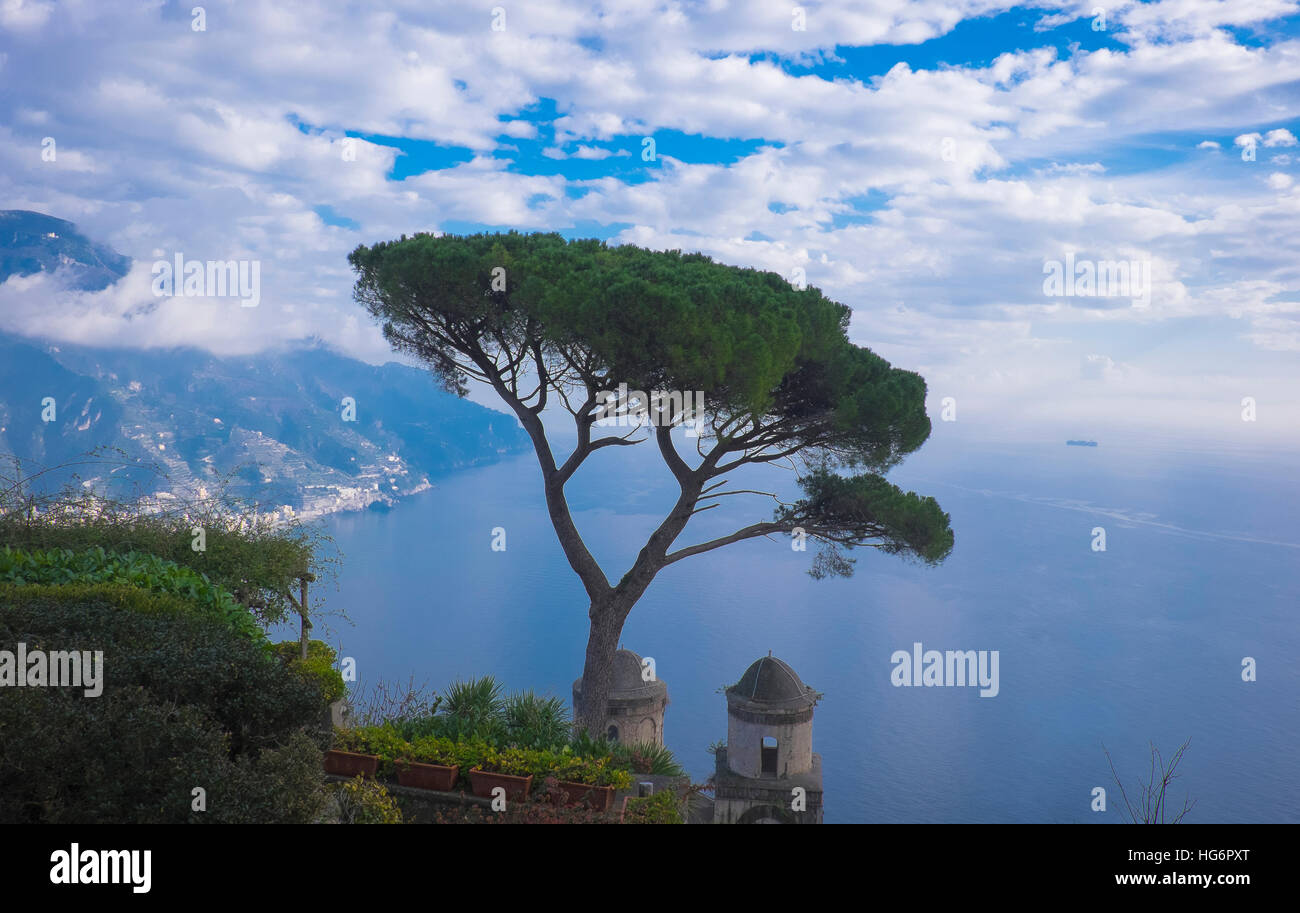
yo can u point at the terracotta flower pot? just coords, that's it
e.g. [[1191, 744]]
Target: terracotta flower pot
[[600, 798], [482, 782], [351, 764], [427, 776]]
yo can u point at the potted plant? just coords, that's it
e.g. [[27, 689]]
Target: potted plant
[[430, 764], [510, 769], [419, 775], [351, 763], [358, 752], [593, 782]]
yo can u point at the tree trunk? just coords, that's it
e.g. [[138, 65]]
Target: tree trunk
[[306, 624], [598, 671]]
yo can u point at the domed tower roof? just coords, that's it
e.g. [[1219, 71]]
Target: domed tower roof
[[626, 687], [627, 682], [770, 683]]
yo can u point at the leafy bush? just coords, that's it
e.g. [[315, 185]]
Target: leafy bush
[[186, 703], [473, 708], [362, 801], [148, 572], [388, 744], [660, 808], [536, 722], [638, 757], [478, 709], [602, 772], [647, 758], [283, 784], [384, 741], [319, 666], [257, 560], [515, 762]]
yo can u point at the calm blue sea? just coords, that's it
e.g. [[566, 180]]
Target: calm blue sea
[[1142, 643]]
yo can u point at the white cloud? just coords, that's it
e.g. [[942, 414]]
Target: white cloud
[[927, 199], [1098, 367], [24, 15]]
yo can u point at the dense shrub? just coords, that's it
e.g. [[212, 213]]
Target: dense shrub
[[362, 801], [319, 666], [283, 784], [536, 722], [148, 572], [386, 742], [186, 703], [661, 808], [480, 709], [638, 757], [252, 557]]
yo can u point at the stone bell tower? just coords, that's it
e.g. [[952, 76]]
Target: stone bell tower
[[767, 773], [635, 712]]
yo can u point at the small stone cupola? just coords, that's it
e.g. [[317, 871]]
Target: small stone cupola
[[769, 721], [767, 771], [635, 712]]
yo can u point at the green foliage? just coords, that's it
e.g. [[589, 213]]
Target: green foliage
[[655, 319], [148, 572], [433, 750], [522, 734], [536, 722], [641, 758], [363, 801], [386, 742], [258, 561], [660, 808], [319, 666], [283, 784], [517, 762], [869, 511], [648, 758], [474, 708], [479, 710], [186, 702]]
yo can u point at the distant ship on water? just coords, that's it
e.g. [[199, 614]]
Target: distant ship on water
[[1081, 443]]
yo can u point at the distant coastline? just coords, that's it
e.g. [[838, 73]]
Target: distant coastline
[[1081, 443]]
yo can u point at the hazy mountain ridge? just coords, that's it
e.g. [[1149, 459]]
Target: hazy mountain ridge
[[275, 419], [32, 242]]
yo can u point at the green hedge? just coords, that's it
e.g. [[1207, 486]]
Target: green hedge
[[148, 572], [255, 560], [660, 808], [386, 742], [319, 665], [186, 703]]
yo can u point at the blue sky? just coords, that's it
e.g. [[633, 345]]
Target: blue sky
[[923, 161]]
